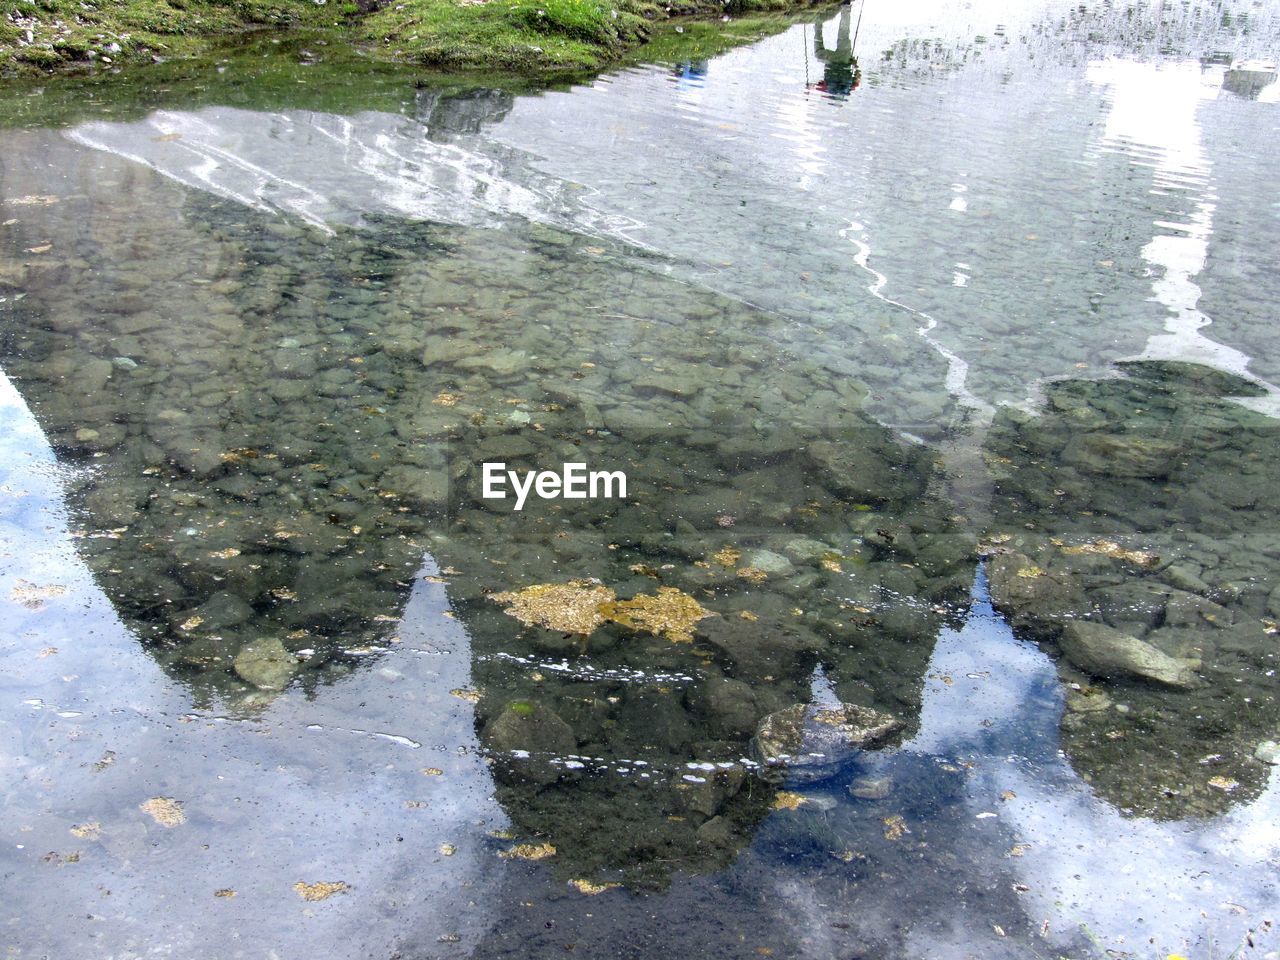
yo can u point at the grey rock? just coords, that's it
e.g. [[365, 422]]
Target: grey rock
[[716, 832], [758, 649], [1268, 751], [811, 743], [297, 364], [500, 362], [870, 788], [1186, 577], [510, 446], [1121, 455], [528, 736], [773, 564], [447, 350], [1102, 651], [219, 612], [1034, 600], [806, 550], [423, 488], [266, 664]]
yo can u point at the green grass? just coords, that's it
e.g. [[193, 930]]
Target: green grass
[[511, 34], [521, 36], [58, 33]]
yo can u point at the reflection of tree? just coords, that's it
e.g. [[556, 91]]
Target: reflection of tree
[[280, 424], [277, 425], [1148, 504]]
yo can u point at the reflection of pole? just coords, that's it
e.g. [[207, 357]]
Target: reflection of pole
[[858, 26], [804, 37]]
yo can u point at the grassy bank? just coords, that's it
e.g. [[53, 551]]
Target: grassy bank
[[525, 36]]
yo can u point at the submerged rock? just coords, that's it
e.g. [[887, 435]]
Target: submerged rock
[[770, 563], [812, 742], [1121, 455], [762, 647], [1034, 600], [871, 788], [530, 736], [1104, 652], [266, 664]]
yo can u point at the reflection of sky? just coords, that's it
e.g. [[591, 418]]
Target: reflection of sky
[[992, 700], [314, 789], [1152, 118], [296, 790]]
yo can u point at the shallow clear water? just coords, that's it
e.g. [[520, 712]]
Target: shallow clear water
[[948, 395]]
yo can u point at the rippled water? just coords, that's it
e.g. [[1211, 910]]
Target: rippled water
[[944, 384]]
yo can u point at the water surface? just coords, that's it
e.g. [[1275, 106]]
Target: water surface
[[915, 365]]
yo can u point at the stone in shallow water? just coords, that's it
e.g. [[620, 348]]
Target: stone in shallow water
[[528, 736], [760, 648], [871, 788], [500, 362], [1121, 455], [423, 488], [770, 563], [811, 742], [1103, 652], [266, 664], [1034, 600], [219, 612]]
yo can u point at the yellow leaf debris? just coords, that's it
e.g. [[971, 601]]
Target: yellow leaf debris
[[894, 827], [727, 556], [32, 596], [165, 811], [591, 889], [787, 800], [572, 607], [669, 613], [528, 851], [320, 890], [1109, 548]]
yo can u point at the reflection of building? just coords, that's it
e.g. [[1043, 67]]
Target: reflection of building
[[445, 112], [1249, 79]]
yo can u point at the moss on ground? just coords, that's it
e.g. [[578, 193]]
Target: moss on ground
[[525, 36]]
